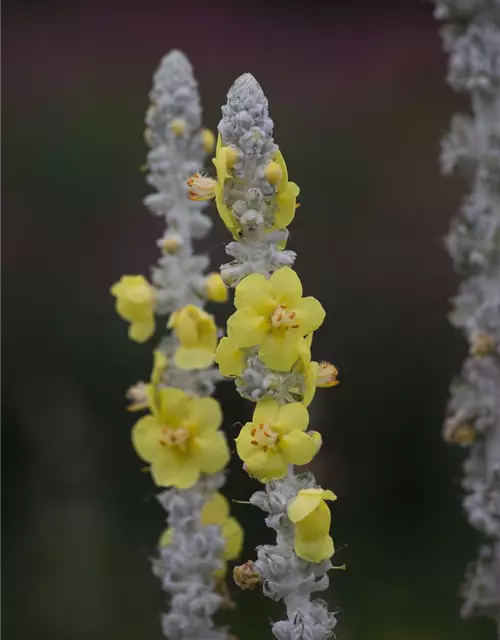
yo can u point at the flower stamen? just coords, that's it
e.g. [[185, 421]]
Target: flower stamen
[[201, 187]]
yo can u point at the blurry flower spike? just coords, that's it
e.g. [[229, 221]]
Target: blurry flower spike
[[471, 37]]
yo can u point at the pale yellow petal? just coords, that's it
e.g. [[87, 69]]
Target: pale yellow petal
[[159, 366], [292, 416], [299, 447], [146, 435], [246, 328], [267, 411], [172, 404], [279, 350], [212, 450], [305, 502], [266, 465], [230, 359], [254, 292], [172, 470], [280, 160], [286, 286], [215, 510], [315, 549], [244, 447], [141, 331], [286, 203], [194, 358], [205, 414], [310, 315], [232, 533], [318, 521]]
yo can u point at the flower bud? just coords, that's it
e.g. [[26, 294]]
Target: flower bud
[[171, 242], [178, 126], [215, 288], [245, 575], [327, 375], [208, 140], [482, 345], [457, 432], [273, 173]]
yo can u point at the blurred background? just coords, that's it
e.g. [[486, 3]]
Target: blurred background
[[358, 96]]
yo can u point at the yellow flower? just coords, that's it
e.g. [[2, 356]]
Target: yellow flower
[[181, 438], [216, 512], [276, 438], [215, 288], [230, 358], [311, 516], [135, 303], [140, 393], [286, 195], [273, 315], [197, 334], [178, 126]]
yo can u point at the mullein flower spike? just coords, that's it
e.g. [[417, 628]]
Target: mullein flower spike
[[471, 36], [268, 351], [179, 436]]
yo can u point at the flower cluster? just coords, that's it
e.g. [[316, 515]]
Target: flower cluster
[[180, 437], [267, 351], [471, 36]]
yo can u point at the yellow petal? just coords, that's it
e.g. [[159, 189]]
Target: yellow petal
[[171, 470], [304, 503], [254, 292], [215, 288], [232, 533], [286, 286], [292, 416], [286, 203], [315, 549], [141, 331], [310, 315], [146, 435], [230, 359], [244, 447], [279, 350], [186, 327], [246, 328], [225, 213], [267, 465], [212, 451], [215, 510], [166, 537], [305, 349], [173, 404], [194, 358], [299, 447], [267, 411], [310, 383], [205, 413], [280, 161]]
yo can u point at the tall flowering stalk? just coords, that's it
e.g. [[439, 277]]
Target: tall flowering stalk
[[268, 352], [180, 437], [471, 36]]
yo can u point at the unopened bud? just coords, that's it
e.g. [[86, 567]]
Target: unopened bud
[[231, 157], [171, 242], [215, 288], [273, 173], [246, 576], [178, 126], [482, 345], [208, 140], [458, 432], [327, 375], [137, 396]]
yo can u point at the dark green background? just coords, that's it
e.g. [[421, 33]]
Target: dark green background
[[359, 101]]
